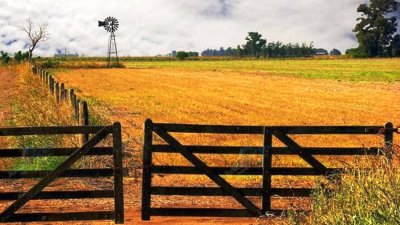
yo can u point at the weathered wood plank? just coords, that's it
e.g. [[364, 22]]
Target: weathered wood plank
[[294, 171], [68, 173], [118, 176], [72, 216], [61, 194], [216, 191], [207, 212], [388, 139], [71, 97], [57, 92], [267, 167], [229, 129], [84, 119], [147, 170], [20, 131], [40, 152], [62, 91], [255, 150]]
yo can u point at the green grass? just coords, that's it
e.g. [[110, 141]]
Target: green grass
[[346, 69], [384, 70]]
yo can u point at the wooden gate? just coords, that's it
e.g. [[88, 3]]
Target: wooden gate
[[265, 191], [63, 170]]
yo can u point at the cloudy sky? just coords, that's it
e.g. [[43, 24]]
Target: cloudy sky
[[151, 27]]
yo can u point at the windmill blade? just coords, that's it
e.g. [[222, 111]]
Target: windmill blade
[[110, 24]]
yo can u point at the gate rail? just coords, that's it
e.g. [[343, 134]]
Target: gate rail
[[63, 170], [266, 190]]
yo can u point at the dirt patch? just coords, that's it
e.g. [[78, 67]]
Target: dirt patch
[[8, 89]]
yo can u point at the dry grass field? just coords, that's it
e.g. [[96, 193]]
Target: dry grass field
[[273, 92], [276, 92], [243, 93]]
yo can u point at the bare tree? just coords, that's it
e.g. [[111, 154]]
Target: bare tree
[[36, 32]]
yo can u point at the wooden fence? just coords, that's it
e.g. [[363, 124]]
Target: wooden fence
[[62, 94], [266, 190], [64, 170]]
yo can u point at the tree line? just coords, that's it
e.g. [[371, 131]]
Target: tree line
[[256, 46]]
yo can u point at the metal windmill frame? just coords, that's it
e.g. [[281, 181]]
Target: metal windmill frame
[[111, 24]]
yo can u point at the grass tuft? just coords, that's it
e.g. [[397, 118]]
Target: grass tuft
[[362, 197]]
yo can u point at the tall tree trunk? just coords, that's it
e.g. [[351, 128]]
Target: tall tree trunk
[[30, 55]]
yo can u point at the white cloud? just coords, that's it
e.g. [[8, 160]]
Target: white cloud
[[149, 27]]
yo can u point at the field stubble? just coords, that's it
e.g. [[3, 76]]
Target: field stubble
[[244, 93]]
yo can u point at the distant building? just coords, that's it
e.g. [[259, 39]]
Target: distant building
[[320, 51], [63, 55], [173, 53]]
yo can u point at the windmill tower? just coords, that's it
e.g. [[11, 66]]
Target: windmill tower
[[111, 24]]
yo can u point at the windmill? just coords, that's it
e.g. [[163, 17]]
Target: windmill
[[111, 24]]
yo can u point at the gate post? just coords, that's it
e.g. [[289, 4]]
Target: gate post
[[83, 119], [146, 179], [118, 179], [389, 140], [267, 166]]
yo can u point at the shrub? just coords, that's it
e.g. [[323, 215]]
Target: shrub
[[357, 52], [181, 55], [5, 58], [19, 56], [51, 64]]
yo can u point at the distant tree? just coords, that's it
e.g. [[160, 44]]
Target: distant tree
[[335, 52], [193, 54], [19, 56], [36, 32], [375, 28], [395, 46], [5, 58], [240, 51], [357, 52], [181, 55], [254, 44]]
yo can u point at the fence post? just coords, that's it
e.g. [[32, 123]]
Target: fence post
[[47, 77], [389, 140], [146, 179], [71, 97], [84, 119], [43, 76], [118, 178], [62, 91], [34, 70], [77, 109], [74, 105], [267, 166], [66, 94], [51, 84], [57, 92]]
